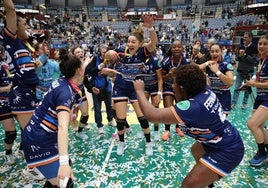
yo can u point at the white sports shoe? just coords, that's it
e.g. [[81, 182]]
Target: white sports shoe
[[9, 159], [112, 123], [156, 136], [120, 148], [21, 153], [81, 135], [140, 134], [33, 173], [87, 126], [128, 130], [100, 130], [149, 148]]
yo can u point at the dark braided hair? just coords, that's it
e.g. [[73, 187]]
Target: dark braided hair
[[191, 78]]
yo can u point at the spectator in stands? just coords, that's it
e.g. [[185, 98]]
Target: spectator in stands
[[47, 71], [251, 48], [218, 148], [244, 72], [206, 55], [130, 62], [195, 56], [259, 116]]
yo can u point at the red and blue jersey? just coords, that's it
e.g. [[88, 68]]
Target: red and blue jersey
[[211, 128], [262, 76], [22, 60]]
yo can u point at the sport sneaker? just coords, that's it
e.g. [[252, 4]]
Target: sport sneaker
[[128, 130], [9, 159], [112, 123], [244, 106], [81, 135], [100, 130], [149, 148], [258, 159], [166, 136], [233, 106], [120, 148], [179, 132], [156, 136], [20, 153], [140, 134], [33, 173]]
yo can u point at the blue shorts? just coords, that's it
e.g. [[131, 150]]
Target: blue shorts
[[167, 89], [22, 100], [260, 102], [124, 90], [152, 89], [222, 162], [50, 170], [5, 110], [40, 149]]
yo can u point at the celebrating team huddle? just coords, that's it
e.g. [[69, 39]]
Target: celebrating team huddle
[[130, 73]]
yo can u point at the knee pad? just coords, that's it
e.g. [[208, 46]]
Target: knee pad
[[121, 124], [143, 122], [49, 185], [70, 183], [10, 136], [83, 121]]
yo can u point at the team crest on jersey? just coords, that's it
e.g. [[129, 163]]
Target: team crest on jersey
[[230, 67], [55, 84], [183, 105]]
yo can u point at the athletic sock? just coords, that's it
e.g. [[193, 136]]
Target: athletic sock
[[261, 149]]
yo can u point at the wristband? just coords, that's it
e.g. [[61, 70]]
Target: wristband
[[99, 67], [159, 93], [206, 63], [151, 29], [218, 73], [64, 160]]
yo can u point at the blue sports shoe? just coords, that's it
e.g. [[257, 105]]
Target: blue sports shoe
[[258, 159]]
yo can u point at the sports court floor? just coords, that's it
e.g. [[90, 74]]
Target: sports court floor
[[96, 164]]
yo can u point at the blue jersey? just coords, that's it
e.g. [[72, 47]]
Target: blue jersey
[[60, 96], [41, 133], [21, 59], [130, 65], [45, 75], [129, 68], [262, 76], [219, 87], [216, 83], [211, 128], [150, 77], [167, 65], [5, 79]]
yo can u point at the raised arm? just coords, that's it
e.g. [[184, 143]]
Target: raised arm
[[148, 23], [11, 17]]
